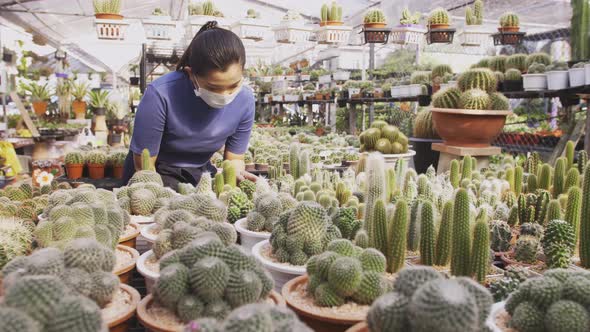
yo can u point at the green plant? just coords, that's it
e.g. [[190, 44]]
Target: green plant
[[447, 98], [516, 61], [38, 92], [526, 249], [573, 209], [396, 247], [501, 235], [107, 6], [557, 66], [374, 15], [147, 174], [558, 243], [80, 91], [74, 158], [99, 98], [461, 243], [579, 35], [475, 99], [96, 158], [582, 161], [407, 18], [498, 63], [513, 74], [331, 13], [427, 236], [542, 58], [509, 19], [480, 260], [439, 16], [441, 70], [478, 78]]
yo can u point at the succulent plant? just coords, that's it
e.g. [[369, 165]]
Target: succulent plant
[[526, 249], [558, 243], [509, 19], [74, 158], [537, 68], [147, 174], [374, 15], [439, 16], [513, 74], [96, 158], [516, 61], [478, 78]]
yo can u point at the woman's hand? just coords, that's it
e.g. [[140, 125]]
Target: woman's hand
[[243, 175]]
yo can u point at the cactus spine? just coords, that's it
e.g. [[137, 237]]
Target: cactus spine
[[396, 248], [559, 177], [443, 242], [572, 211], [545, 177], [427, 238], [585, 221], [572, 179], [481, 250], [461, 243], [454, 176], [518, 179], [467, 168], [569, 154], [379, 223]]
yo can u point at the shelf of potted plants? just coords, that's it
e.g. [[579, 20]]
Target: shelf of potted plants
[[331, 30], [473, 34], [557, 76], [409, 31], [159, 25], [251, 27], [108, 21], [292, 29]]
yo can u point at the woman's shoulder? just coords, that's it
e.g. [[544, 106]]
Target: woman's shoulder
[[246, 95], [169, 80]]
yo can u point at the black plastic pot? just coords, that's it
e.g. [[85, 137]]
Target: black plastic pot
[[100, 111], [134, 81], [7, 57], [424, 100], [512, 85], [424, 156], [341, 102]]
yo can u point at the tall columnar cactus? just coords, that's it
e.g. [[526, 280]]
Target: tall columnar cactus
[[569, 154], [304, 163], [478, 11], [218, 184], [294, 160], [466, 169], [480, 261], [545, 177], [542, 206], [553, 210], [454, 175], [531, 184], [573, 209], [428, 234], [461, 243], [510, 178], [558, 243], [572, 179], [229, 174], [443, 242], [585, 221], [379, 223], [376, 189], [518, 179], [396, 247], [582, 161], [391, 184], [559, 177]]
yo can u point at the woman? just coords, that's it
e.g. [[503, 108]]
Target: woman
[[187, 115]]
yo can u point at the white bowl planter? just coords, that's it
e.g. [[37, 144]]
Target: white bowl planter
[[250, 28], [149, 275], [408, 34], [534, 82], [395, 91], [147, 233], [391, 159], [577, 76], [474, 35], [249, 238], [557, 80], [159, 27], [291, 32], [333, 34], [281, 273], [353, 91], [291, 98], [325, 79], [142, 220]]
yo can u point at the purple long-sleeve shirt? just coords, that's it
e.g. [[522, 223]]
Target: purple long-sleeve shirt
[[182, 130]]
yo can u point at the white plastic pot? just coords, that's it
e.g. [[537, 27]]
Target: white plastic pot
[[149, 275], [587, 71], [142, 220], [249, 238], [395, 92], [146, 233], [557, 80], [404, 90], [534, 82], [281, 273], [577, 76], [414, 90]]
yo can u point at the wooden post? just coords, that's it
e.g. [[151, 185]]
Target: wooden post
[[24, 114]]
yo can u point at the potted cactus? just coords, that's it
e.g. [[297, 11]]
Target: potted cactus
[[249, 162], [107, 9], [79, 92], [512, 80], [374, 18], [40, 95], [509, 22], [331, 15], [117, 162], [535, 79], [557, 76], [251, 27], [474, 101], [577, 74], [74, 165], [409, 30], [439, 30], [424, 134], [96, 161], [473, 34], [261, 162], [291, 29]]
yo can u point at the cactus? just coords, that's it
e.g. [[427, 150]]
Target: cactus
[[97, 158], [553, 210], [501, 235], [509, 19], [499, 102], [304, 163], [427, 237], [526, 249], [461, 242], [374, 15], [518, 180], [443, 242], [447, 98], [229, 174], [75, 313], [147, 174], [532, 183], [454, 173], [567, 316], [582, 161], [480, 261], [376, 189], [541, 58], [573, 209], [569, 154], [396, 248], [559, 177], [413, 242], [478, 78], [104, 286], [379, 224], [466, 169], [585, 221], [559, 243], [572, 179], [478, 11], [498, 63], [475, 99], [74, 158], [439, 16], [516, 62]]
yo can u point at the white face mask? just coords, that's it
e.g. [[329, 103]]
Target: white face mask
[[217, 100]]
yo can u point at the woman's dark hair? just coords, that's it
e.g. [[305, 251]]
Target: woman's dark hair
[[212, 48]]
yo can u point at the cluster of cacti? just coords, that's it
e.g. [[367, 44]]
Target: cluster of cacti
[[331, 13], [346, 272], [501, 288], [208, 279], [59, 291], [501, 235], [558, 243], [147, 174], [383, 138], [267, 209], [16, 238], [407, 18], [558, 301], [81, 213], [374, 15], [517, 62], [238, 203], [540, 58], [74, 158], [557, 66], [498, 63], [423, 300], [302, 232], [439, 16], [509, 20], [252, 318], [17, 202], [144, 198]]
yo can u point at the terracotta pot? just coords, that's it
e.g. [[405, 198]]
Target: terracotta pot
[[124, 273], [360, 327], [130, 240], [74, 171], [509, 29], [319, 96], [40, 107], [377, 25], [118, 172], [121, 323], [104, 16], [317, 321], [96, 171], [439, 26], [335, 23], [79, 108], [155, 325], [261, 167], [250, 167], [468, 128]]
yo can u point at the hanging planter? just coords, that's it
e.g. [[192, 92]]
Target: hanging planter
[[409, 31], [439, 30], [509, 30], [158, 26], [109, 22], [292, 29], [331, 30], [473, 34], [375, 27], [251, 27]]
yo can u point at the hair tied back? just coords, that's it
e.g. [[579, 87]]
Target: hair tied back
[[208, 26]]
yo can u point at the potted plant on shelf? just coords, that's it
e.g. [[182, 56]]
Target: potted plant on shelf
[[96, 161], [409, 30], [512, 80], [473, 34], [475, 102], [509, 22], [424, 134], [509, 30], [331, 30], [535, 79], [261, 162], [118, 161], [577, 74], [292, 29], [374, 18], [107, 9], [40, 95], [418, 79], [438, 73], [331, 15], [557, 76], [99, 101], [109, 22], [386, 88], [367, 89], [74, 165], [79, 91], [308, 91], [439, 30], [350, 159], [251, 27], [249, 162]]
